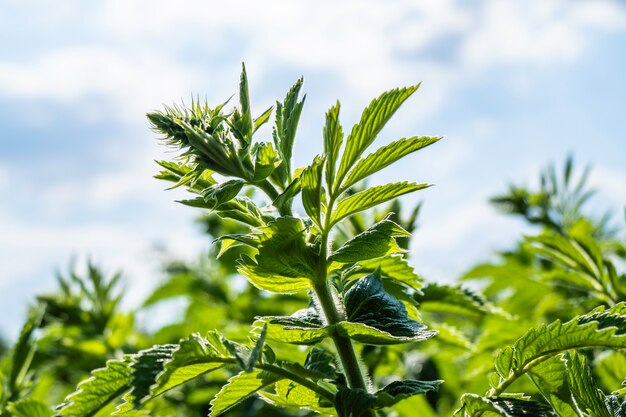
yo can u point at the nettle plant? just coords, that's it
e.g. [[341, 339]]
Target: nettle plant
[[555, 314]]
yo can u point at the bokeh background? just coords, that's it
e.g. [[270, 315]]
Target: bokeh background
[[512, 85]]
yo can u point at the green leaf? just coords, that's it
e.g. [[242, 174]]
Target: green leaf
[[400, 390], [311, 181], [353, 402], [589, 398], [244, 126], [395, 267], [23, 351], [27, 407], [284, 262], [333, 138], [474, 405], [262, 119], [367, 303], [372, 197], [268, 280], [146, 366], [454, 299], [386, 156], [287, 118], [373, 119], [93, 394], [551, 379], [375, 242], [218, 194], [248, 360], [303, 327], [266, 160], [291, 394], [599, 328], [372, 336], [196, 356], [240, 387]]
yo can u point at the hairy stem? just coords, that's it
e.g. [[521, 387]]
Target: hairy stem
[[345, 349]]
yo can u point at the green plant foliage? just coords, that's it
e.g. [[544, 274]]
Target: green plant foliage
[[318, 308]]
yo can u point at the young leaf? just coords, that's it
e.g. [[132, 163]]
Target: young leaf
[[240, 387], [266, 160], [287, 118], [374, 118], [455, 300], [372, 197], [311, 181], [386, 156], [375, 242], [333, 138], [219, 194], [393, 267], [367, 303], [400, 390], [93, 394]]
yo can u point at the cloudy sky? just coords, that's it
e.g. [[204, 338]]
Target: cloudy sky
[[512, 85]]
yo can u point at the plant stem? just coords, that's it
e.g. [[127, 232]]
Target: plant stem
[[345, 349]]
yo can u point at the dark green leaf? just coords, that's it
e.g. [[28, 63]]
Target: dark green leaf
[[589, 399], [400, 390], [353, 402], [474, 405], [367, 303]]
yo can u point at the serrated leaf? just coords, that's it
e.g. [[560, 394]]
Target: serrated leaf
[[400, 390], [394, 267], [311, 181], [93, 394], [386, 156], [333, 138], [266, 159], [454, 299], [240, 387], [284, 133], [302, 327], [599, 328], [589, 399], [372, 336], [196, 356], [367, 303], [27, 407], [551, 379], [474, 405], [284, 262], [353, 402], [373, 119], [262, 119], [218, 194], [375, 242], [291, 394], [372, 197], [146, 365]]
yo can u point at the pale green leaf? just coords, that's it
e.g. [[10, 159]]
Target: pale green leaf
[[386, 156], [311, 181], [375, 242], [333, 138], [372, 197], [240, 387], [373, 119]]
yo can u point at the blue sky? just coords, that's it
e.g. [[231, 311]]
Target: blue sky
[[511, 85]]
